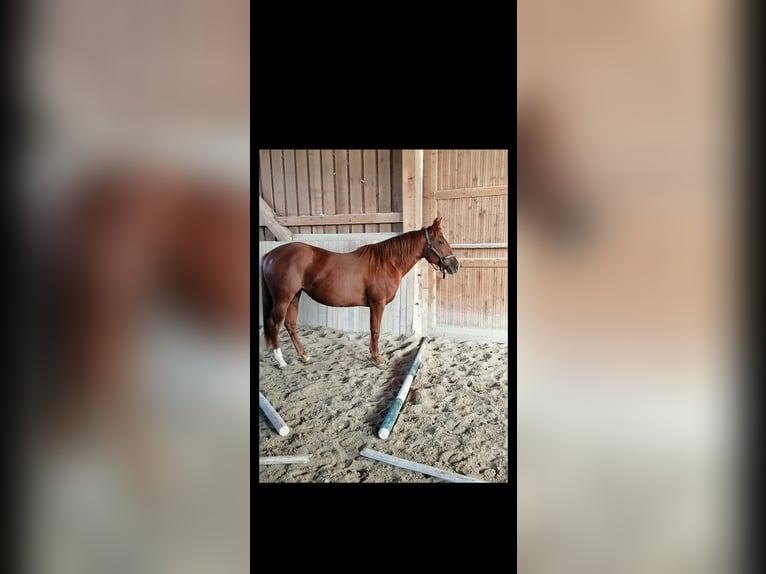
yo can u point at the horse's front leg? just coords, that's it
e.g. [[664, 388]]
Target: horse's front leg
[[376, 314]]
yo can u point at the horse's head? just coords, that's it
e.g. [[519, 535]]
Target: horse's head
[[437, 250]]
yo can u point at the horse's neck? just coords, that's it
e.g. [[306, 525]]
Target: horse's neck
[[409, 261]]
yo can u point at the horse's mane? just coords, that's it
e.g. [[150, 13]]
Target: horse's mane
[[395, 248]]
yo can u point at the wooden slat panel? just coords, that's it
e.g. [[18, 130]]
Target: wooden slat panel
[[278, 181], [315, 185], [384, 185], [341, 186], [348, 218], [479, 245], [470, 192], [370, 185], [461, 254], [302, 182], [355, 185], [469, 299], [328, 186], [484, 262], [291, 194], [475, 220]]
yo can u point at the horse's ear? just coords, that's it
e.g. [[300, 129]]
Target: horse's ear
[[437, 224]]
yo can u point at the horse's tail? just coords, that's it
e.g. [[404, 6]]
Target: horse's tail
[[267, 303]]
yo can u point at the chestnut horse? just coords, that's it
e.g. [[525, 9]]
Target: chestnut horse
[[548, 190], [367, 277], [123, 238]]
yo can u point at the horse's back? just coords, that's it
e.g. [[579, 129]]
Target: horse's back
[[296, 255]]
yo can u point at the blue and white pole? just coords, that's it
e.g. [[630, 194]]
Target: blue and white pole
[[393, 412], [279, 424]]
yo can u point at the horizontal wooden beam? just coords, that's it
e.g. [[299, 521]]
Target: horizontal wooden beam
[[340, 219], [484, 262], [479, 245], [471, 192], [266, 217]]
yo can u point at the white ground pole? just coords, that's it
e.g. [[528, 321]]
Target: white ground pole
[[417, 467], [262, 460], [393, 412], [272, 415]]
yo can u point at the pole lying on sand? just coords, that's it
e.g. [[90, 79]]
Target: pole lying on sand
[[283, 459], [393, 412], [417, 467], [272, 415]]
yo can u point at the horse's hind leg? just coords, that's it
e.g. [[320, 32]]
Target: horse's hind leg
[[277, 316], [291, 326]]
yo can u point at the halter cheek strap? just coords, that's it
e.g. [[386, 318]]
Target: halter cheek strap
[[429, 247]]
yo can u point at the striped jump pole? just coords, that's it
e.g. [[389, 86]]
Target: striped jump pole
[[393, 412], [272, 415]]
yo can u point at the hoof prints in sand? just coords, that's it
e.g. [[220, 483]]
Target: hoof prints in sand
[[456, 416]]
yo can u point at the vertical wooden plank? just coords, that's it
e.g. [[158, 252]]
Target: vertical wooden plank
[[446, 179], [443, 169], [483, 167], [465, 174], [396, 186], [265, 168], [291, 195], [302, 185], [355, 185], [315, 187], [504, 167], [407, 315], [278, 181], [328, 186], [459, 169], [370, 186], [384, 185], [411, 193], [341, 187]]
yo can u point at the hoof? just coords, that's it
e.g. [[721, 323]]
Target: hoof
[[380, 365], [306, 359]]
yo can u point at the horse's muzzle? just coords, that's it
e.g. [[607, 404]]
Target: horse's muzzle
[[452, 267]]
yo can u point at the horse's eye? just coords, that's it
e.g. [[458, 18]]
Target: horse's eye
[[441, 242]]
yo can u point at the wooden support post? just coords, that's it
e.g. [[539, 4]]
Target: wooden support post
[[267, 217], [430, 211], [412, 217]]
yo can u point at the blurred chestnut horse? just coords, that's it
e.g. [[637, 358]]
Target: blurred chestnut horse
[[125, 238], [367, 277], [547, 189]]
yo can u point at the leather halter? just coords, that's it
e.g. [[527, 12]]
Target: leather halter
[[429, 247]]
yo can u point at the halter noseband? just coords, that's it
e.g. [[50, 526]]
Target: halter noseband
[[429, 247]]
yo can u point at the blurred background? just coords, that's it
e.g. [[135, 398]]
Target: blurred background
[[627, 310], [126, 82]]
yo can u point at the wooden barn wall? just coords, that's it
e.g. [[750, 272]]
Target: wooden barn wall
[[397, 317], [469, 189], [331, 182]]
